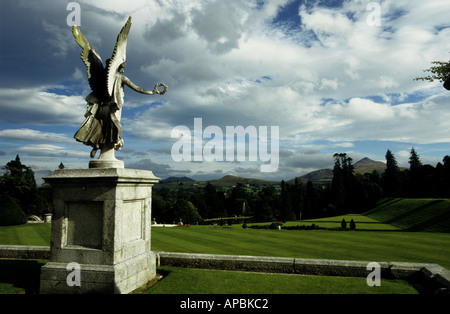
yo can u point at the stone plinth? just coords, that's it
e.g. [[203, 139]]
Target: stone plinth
[[102, 222]]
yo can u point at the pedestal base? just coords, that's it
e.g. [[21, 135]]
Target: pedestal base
[[106, 164], [98, 279], [107, 159], [101, 224]]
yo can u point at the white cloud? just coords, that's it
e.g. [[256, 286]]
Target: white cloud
[[35, 105], [33, 135], [224, 61], [49, 150], [365, 110]]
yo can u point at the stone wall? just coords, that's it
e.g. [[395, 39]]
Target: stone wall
[[24, 252], [431, 277]]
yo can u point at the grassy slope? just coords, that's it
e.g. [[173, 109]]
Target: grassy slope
[[414, 214]]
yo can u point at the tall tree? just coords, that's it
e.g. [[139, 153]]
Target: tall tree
[[298, 198], [238, 196], [343, 183], [214, 207], [414, 160], [286, 202], [391, 177], [445, 176], [415, 166], [337, 183], [186, 212], [19, 183], [311, 202]]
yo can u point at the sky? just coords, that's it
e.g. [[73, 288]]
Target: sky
[[331, 76]]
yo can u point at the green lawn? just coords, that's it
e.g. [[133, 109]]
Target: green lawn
[[380, 245], [198, 281], [29, 234], [376, 246], [388, 233], [363, 222]]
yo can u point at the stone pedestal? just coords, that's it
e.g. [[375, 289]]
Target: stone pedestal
[[102, 223]]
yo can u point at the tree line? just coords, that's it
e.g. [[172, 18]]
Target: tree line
[[348, 192], [19, 194]]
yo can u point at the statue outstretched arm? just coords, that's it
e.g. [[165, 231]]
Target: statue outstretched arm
[[138, 89]]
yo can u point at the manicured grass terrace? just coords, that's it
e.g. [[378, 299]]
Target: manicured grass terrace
[[380, 236]]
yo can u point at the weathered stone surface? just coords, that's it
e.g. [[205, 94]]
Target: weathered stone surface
[[102, 219], [433, 277], [24, 252], [228, 262]]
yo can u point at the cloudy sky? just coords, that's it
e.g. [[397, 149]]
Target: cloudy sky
[[326, 73]]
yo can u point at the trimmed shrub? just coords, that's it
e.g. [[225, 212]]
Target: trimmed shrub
[[352, 225], [275, 225], [10, 213]]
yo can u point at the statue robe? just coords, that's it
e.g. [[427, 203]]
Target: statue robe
[[102, 119]]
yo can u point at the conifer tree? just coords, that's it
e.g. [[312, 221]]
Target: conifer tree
[[19, 183], [391, 178]]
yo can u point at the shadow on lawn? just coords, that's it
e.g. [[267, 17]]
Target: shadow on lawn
[[22, 273]]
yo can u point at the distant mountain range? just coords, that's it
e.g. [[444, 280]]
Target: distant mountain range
[[324, 176], [369, 165], [321, 176], [176, 179]]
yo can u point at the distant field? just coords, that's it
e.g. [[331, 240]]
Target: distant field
[[362, 223]]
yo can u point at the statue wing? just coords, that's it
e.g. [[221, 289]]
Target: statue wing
[[118, 58], [93, 62]]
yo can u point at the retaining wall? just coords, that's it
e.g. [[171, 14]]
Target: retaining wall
[[429, 277], [426, 277]]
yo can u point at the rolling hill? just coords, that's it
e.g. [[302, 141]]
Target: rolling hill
[[368, 165], [324, 176], [230, 180], [225, 182], [177, 179], [321, 176]]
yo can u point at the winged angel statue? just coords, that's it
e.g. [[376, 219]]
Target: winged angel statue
[[101, 128]]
